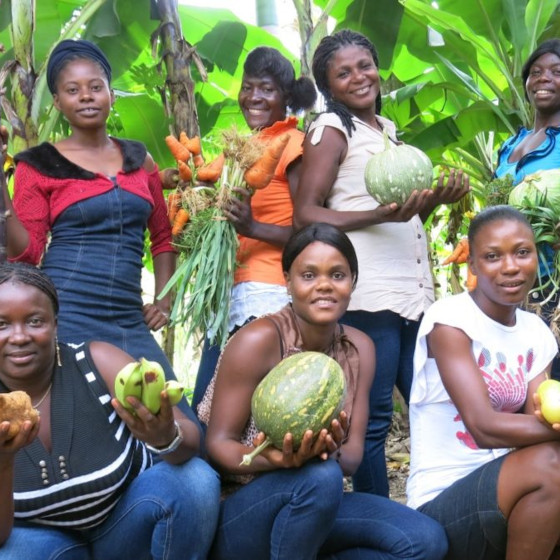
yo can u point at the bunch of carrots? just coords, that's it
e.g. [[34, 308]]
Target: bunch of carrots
[[206, 240], [460, 255]]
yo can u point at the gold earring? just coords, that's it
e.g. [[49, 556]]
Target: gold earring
[[57, 352]]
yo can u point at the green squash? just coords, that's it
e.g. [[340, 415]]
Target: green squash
[[305, 391], [392, 175]]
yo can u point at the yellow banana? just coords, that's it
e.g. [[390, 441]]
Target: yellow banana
[[128, 383], [153, 382], [175, 391]]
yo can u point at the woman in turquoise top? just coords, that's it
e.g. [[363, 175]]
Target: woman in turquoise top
[[538, 149]]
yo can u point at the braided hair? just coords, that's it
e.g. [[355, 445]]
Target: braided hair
[[21, 273], [300, 92], [322, 57]]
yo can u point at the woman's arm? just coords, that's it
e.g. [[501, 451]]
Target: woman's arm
[[319, 171], [156, 314], [352, 450], [158, 430], [8, 450], [460, 374]]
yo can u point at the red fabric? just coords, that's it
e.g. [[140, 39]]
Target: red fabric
[[261, 261], [39, 199]]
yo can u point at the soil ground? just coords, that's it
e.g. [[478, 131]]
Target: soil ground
[[397, 452]]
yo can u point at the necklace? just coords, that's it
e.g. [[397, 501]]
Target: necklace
[[40, 402]]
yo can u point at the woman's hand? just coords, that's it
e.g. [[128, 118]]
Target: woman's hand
[[395, 213], [157, 430], [27, 433], [539, 415], [336, 436], [239, 212], [287, 457], [155, 316], [458, 185]]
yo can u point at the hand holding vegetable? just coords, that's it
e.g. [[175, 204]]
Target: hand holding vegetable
[[238, 211], [458, 185], [156, 430], [10, 445], [287, 458], [394, 213]]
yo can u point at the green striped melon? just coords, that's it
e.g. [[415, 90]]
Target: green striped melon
[[392, 175], [305, 391]]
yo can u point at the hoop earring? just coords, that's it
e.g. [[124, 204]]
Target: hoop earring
[[57, 352]]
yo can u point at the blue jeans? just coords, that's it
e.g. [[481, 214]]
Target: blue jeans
[[169, 512], [394, 338], [304, 514]]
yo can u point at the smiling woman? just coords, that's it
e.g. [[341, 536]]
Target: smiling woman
[[269, 92], [484, 463]]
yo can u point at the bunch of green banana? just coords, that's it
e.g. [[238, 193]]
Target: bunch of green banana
[[145, 380]]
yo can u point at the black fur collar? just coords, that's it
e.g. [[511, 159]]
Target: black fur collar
[[46, 159]]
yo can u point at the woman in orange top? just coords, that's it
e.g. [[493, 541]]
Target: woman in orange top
[[263, 220]]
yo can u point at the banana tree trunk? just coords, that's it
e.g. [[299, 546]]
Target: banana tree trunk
[[177, 56], [178, 94]]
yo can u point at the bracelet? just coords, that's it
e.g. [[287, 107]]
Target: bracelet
[[172, 446]]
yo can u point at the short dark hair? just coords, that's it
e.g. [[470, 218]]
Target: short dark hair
[[22, 273], [322, 57], [549, 46], [269, 61], [493, 214], [324, 233]]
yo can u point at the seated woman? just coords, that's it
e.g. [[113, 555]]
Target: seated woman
[[482, 463], [292, 503], [79, 483]]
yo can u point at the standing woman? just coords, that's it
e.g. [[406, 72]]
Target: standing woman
[[395, 285], [269, 93], [81, 207], [482, 463], [288, 503], [79, 484], [538, 148]]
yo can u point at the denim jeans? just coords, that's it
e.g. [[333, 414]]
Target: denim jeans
[[394, 338], [169, 512], [304, 514]]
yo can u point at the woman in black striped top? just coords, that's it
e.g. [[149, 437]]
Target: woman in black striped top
[[80, 483]]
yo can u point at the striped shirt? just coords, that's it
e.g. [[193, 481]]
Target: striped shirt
[[93, 459]]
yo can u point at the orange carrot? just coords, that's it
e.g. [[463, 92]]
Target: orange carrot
[[470, 284], [212, 171], [181, 219], [178, 151], [173, 205], [460, 254], [193, 145], [261, 172], [184, 139], [185, 172], [198, 160]]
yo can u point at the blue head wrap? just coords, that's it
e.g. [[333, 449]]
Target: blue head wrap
[[70, 49]]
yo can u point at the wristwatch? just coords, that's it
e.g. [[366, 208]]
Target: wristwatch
[[175, 442]]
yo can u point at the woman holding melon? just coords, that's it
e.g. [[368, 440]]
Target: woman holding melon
[[77, 482], [395, 285], [484, 462], [289, 503]]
